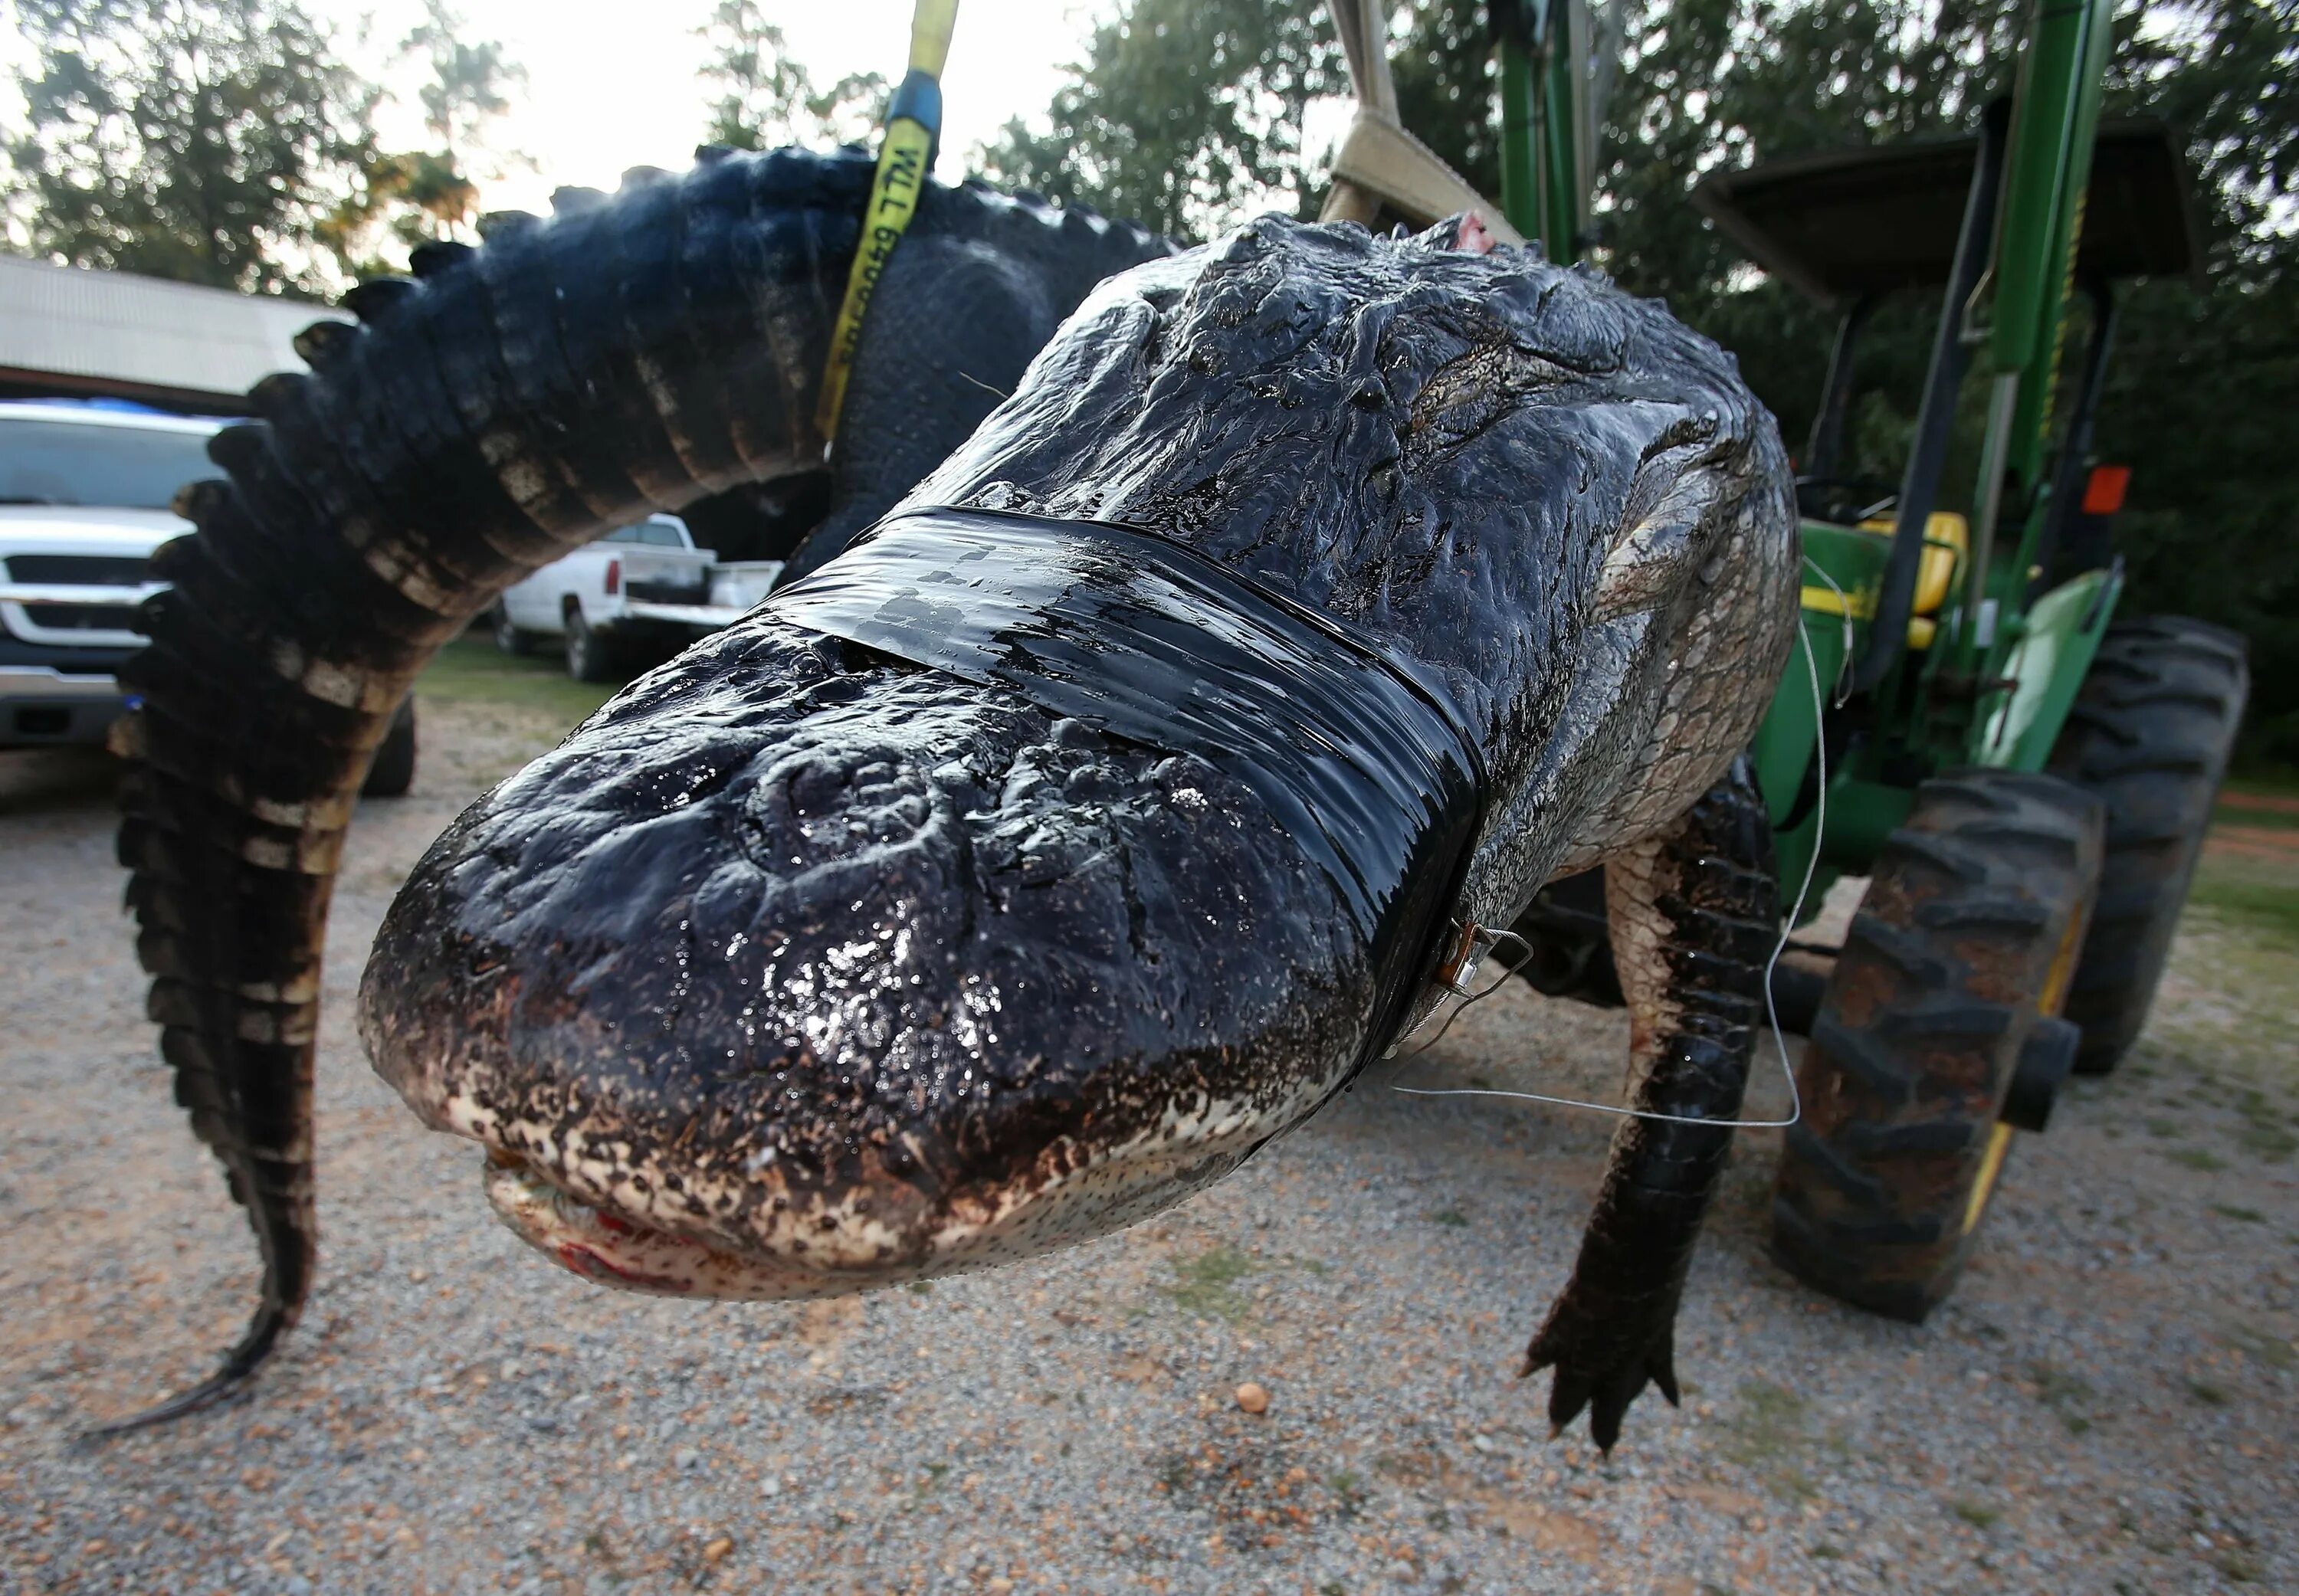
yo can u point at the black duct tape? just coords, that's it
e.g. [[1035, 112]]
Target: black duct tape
[[1363, 755]]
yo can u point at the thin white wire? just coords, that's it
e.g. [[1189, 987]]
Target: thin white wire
[[1843, 665], [1772, 1011]]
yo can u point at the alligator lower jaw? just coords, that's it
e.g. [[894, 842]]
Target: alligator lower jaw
[[613, 1251], [1071, 1200]]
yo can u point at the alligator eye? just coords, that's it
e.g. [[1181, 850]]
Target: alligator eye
[[484, 963]]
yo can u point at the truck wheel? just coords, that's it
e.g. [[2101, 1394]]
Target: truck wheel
[[508, 639], [590, 656], [393, 770], [1936, 1036], [2151, 733]]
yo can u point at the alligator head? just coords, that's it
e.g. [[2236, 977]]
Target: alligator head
[[808, 966]]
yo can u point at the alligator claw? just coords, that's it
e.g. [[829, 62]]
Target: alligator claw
[[1692, 916], [1599, 1369]]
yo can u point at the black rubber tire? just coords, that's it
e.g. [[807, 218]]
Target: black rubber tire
[[392, 771], [2151, 733], [1975, 908], [508, 639], [590, 656]]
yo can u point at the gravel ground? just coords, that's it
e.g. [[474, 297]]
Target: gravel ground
[[2107, 1405]]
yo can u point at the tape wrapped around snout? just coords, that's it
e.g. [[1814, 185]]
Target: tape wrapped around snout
[[1363, 756]]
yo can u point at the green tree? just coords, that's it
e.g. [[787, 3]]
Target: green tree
[[1186, 115], [470, 84], [208, 141], [766, 99], [417, 195]]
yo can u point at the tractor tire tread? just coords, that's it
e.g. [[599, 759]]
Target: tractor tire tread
[[2151, 733], [1913, 1047], [1908, 954]]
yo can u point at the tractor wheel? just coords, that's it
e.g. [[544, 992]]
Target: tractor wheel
[[2151, 733], [1936, 1036]]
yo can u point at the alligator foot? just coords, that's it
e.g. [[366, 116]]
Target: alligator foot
[[1603, 1356], [1693, 916]]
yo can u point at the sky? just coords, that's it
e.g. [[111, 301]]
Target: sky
[[612, 86]]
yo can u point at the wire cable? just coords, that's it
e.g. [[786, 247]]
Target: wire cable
[[1771, 1010]]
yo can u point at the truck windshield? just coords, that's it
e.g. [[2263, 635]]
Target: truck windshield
[[65, 462]]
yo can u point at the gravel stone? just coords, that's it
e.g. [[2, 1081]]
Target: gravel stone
[[456, 1414]]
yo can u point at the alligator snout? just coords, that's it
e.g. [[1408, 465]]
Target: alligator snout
[[798, 970]]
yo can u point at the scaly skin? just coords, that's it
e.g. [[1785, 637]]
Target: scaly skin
[[802, 969], [509, 404]]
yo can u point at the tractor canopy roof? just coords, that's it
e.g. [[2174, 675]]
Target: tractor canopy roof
[[1842, 224]]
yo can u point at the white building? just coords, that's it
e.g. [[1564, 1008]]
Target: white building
[[65, 330]]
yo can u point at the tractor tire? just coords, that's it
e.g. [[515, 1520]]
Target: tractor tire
[[391, 772], [2151, 733], [1937, 1035]]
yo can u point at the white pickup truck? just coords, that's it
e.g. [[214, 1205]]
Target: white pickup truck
[[641, 589], [84, 496]]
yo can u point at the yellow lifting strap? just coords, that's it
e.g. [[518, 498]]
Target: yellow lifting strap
[[913, 123]]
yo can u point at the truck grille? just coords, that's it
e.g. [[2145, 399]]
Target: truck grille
[[83, 617], [78, 570]]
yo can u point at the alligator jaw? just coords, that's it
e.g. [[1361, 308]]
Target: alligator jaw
[[875, 1233], [604, 1247]]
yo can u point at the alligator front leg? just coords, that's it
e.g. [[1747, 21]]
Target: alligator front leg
[[1694, 915]]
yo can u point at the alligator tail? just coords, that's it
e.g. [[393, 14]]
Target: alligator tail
[[501, 406]]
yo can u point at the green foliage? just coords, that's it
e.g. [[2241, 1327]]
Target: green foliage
[[1445, 82], [2066, 1396], [470, 84], [430, 193], [1767, 1434], [1206, 1285], [1186, 116], [202, 140], [1977, 1514], [766, 99], [224, 141], [2260, 901], [1189, 117], [408, 197], [470, 670]]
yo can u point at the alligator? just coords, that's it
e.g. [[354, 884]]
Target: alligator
[[1073, 826], [660, 349]]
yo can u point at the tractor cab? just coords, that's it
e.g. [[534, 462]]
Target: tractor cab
[[1852, 228]]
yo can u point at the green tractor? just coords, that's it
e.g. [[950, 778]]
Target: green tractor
[[2023, 775]]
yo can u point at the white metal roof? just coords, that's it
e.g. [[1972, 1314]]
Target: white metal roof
[[108, 332]]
